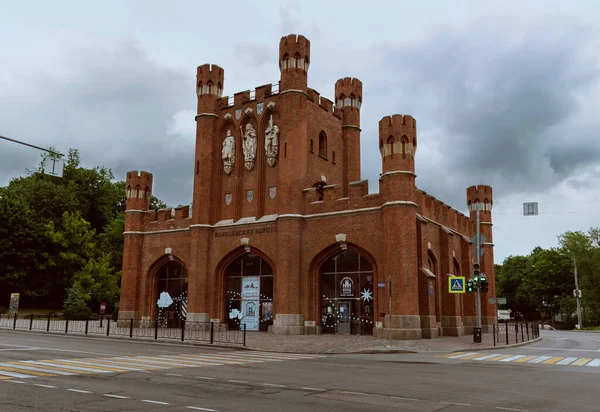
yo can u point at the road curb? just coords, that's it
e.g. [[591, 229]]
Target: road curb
[[484, 348]]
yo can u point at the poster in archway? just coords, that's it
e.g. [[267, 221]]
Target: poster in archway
[[250, 302]]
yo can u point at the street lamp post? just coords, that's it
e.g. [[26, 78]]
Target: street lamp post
[[579, 321]]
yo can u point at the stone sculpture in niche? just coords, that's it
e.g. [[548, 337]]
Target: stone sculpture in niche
[[272, 142], [249, 146], [228, 152]]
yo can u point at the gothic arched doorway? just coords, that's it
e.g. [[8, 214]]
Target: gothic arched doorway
[[249, 293], [347, 294], [171, 294]]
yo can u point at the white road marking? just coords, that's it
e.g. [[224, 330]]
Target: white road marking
[[404, 399], [234, 381], [487, 356], [110, 395], [14, 381], [63, 366], [539, 359], [79, 391], [512, 358], [595, 362], [173, 374], [35, 369], [204, 377], [456, 403], [462, 355], [355, 393], [306, 388], [511, 409], [15, 375], [567, 361], [156, 402], [16, 349], [201, 409], [276, 385], [44, 386]]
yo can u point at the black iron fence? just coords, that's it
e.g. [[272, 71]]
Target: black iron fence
[[506, 333], [133, 328]]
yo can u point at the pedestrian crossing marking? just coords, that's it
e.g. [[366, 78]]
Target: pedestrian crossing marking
[[553, 360], [581, 362], [83, 366], [523, 359]]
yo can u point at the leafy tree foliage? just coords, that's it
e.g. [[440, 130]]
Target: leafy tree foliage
[[61, 239], [541, 284]]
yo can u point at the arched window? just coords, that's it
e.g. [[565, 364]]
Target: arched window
[[333, 156], [405, 148], [298, 61], [147, 192], [128, 192], [172, 278], [391, 143], [249, 283], [347, 294], [137, 192], [312, 150], [323, 144]]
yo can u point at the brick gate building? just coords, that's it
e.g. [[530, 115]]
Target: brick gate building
[[282, 233]]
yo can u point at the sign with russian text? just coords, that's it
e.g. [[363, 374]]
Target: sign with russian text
[[250, 302]]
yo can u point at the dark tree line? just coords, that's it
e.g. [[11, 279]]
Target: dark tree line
[[540, 285], [61, 239]]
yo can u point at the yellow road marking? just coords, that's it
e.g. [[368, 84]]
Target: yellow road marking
[[54, 368], [553, 360], [495, 358], [477, 355], [5, 377], [525, 359], [79, 365], [26, 372], [450, 354], [581, 361]]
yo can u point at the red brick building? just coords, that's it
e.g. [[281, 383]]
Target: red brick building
[[283, 235]]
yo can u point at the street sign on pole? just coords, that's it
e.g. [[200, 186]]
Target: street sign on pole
[[456, 284], [530, 209]]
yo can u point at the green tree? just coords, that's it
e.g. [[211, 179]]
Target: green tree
[[99, 279]]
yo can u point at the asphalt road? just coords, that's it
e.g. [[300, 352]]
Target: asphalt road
[[99, 374]]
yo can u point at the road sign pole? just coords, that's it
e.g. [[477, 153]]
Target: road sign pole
[[478, 257], [390, 299]]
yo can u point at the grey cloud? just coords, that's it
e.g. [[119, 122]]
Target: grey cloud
[[115, 105], [253, 54], [499, 104]]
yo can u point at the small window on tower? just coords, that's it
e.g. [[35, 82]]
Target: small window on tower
[[333, 156], [323, 145], [312, 149]]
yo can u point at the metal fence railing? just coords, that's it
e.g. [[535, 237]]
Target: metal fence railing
[[506, 333], [133, 328]]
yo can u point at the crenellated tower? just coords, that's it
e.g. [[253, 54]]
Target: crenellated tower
[[209, 89], [482, 195], [398, 146], [294, 60], [348, 97], [138, 191]]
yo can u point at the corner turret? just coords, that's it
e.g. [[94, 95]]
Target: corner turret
[[209, 87], [348, 97], [138, 190], [294, 59], [481, 194], [398, 143]]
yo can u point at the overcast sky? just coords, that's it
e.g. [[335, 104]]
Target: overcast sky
[[505, 93]]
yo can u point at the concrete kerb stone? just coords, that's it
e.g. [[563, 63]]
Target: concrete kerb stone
[[484, 348]]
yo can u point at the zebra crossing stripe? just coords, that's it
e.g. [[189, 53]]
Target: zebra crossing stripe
[[581, 361], [566, 361], [512, 358], [462, 355], [15, 375], [17, 370], [487, 356], [67, 367], [539, 359], [553, 360], [595, 362], [39, 369], [525, 359]]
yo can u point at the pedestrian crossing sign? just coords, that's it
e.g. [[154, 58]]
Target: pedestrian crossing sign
[[456, 284]]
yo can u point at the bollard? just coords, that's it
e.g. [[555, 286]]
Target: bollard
[[522, 336], [131, 328], [212, 332], [31, 322], [15, 322], [182, 330], [244, 334], [494, 333], [86, 325], [156, 329], [67, 325], [108, 327], [48, 325], [517, 332], [506, 328]]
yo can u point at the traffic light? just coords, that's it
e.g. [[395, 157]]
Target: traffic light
[[469, 286], [484, 285], [476, 272]]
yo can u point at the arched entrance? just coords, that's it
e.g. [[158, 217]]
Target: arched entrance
[[249, 293], [171, 293], [347, 294]]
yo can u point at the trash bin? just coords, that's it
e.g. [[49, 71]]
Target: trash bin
[[477, 335]]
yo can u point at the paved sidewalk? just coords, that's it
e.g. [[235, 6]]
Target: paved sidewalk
[[361, 344]]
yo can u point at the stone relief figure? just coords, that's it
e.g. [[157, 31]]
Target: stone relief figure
[[249, 145], [272, 142], [228, 152]]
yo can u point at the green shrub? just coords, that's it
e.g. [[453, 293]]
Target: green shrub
[[3, 310], [78, 313]]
